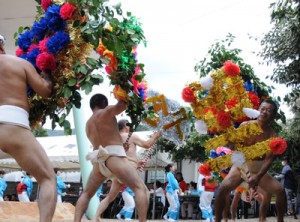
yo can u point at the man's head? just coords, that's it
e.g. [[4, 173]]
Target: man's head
[[56, 171], [2, 43], [98, 101], [108, 183], [123, 124], [284, 160], [268, 110], [2, 173]]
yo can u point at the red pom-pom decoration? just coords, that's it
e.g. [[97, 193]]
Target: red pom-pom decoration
[[45, 4], [43, 45], [46, 61], [254, 99], [188, 95], [278, 146], [19, 52], [223, 119], [66, 11], [231, 69], [231, 103], [204, 169]]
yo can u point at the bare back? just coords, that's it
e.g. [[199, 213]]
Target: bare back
[[15, 74], [102, 129], [131, 151]]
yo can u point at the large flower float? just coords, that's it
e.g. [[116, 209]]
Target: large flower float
[[220, 102], [62, 39]]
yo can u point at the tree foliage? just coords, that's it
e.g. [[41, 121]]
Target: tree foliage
[[281, 47]]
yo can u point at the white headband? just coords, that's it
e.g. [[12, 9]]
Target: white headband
[[2, 40]]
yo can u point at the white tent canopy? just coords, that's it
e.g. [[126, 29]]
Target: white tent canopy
[[63, 153]]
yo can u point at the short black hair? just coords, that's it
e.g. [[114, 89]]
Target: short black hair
[[158, 184], [272, 102], [122, 123], [98, 100], [2, 172], [167, 168], [56, 170]]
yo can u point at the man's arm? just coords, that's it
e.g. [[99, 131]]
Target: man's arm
[[146, 143], [117, 108], [254, 180], [41, 84]]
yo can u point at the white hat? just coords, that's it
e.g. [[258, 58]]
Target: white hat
[[2, 40]]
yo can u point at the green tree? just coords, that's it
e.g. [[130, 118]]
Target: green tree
[[281, 47]]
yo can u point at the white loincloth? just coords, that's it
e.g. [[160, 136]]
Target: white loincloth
[[102, 154], [14, 115]]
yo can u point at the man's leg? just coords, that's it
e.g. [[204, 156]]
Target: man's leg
[[269, 184], [264, 204], [111, 196], [234, 204], [30, 155], [230, 182], [226, 208], [128, 175], [94, 182]]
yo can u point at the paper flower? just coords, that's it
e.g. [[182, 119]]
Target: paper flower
[[223, 119], [24, 40], [238, 158], [278, 146], [221, 149], [45, 4], [57, 42], [207, 82], [66, 11], [204, 170], [251, 113], [19, 52], [201, 127], [231, 69], [46, 61], [213, 154], [254, 99], [120, 94], [188, 95], [43, 45]]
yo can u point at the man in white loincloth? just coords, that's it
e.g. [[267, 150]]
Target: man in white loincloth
[[16, 138], [130, 143], [102, 131], [258, 169]]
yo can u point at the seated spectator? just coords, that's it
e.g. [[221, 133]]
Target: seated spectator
[[7, 197], [189, 205], [14, 197], [182, 183], [106, 187]]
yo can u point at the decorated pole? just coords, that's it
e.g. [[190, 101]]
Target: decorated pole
[[85, 165]]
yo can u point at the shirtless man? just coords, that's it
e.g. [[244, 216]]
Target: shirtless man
[[257, 168], [130, 148], [16, 138], [102, 131]]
